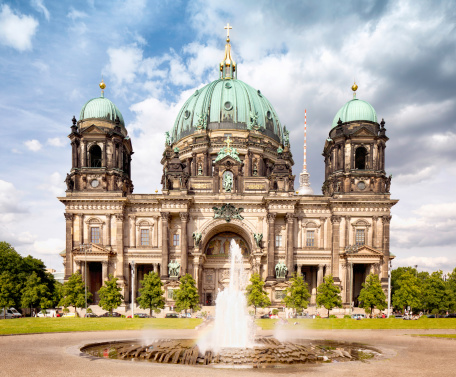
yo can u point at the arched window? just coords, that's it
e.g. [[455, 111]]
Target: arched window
[[360, 158], [95, 157]]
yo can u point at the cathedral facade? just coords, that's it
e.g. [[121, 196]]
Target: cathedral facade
[[227, 174]]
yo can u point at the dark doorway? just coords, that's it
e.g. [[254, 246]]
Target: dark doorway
[[360, 158], [95, 280], [359, 277], [95, 157], [208, 299]]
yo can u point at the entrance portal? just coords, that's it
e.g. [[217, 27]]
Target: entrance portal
[[95, 280]]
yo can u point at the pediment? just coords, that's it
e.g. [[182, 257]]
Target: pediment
[[228, 160], [93, 129], [94, 250], [363, 131], [365, 251]]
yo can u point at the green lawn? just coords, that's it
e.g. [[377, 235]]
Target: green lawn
[[348, 323], [42, 325]]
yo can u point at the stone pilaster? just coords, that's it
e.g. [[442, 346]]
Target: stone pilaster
[[184, 246], [120, 248], [104, 270], [68, 245], [165, 217], [290, 243], [386, 246], [271, 241], [335, 221]]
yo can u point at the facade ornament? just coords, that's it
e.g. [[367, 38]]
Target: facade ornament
[[228, 181], [69, 182], [280, 150], [68, 216], [169, 139], [281, 270], [351, 249], [228, 151], [258, 237], [173, 268], [201, 123], [197, 238], [176, 150], [228, 212], [286, 137]]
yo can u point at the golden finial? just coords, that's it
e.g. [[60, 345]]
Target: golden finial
[[228, 141], [102, 86], [156, 191], [354, 88], [228, 27]]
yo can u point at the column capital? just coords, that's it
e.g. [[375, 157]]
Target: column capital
[[104, 262], [68, 216], [271, 217], [290, 217], [183, 216], [165, 216], [119, 216], [335, 219], [375, 218], [386, 219]]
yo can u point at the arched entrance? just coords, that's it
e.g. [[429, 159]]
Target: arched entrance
[[216, 268]]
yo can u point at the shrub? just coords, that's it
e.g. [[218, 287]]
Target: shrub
[[275, 311], [347, 316], [332, 316], [66, 310], [122, 316], [89, 310]]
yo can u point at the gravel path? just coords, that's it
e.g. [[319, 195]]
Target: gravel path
[[58, 355]]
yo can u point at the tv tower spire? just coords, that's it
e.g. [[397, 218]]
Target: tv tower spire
[[304, 177]]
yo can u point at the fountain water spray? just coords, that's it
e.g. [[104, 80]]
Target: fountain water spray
[[233, 326]]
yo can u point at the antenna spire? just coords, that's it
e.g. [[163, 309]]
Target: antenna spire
[[304, 177]]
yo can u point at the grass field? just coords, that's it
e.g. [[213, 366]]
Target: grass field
[[42, 325], [348, 323]]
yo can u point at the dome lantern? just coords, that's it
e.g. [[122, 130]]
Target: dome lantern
[[228, 65]]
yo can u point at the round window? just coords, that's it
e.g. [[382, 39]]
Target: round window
[[361, 185], [228, 105], [187, 114], [228, 85], [95, 183]]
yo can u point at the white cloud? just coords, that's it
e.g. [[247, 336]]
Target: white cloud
[[49, 246], [123, 63], [76, 14], [16, 30], [33, 145], [430, 264], [9, 199], [40, 7], [54, 185], [56, 142]]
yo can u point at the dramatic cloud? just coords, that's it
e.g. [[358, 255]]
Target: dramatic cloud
[[16, 30]]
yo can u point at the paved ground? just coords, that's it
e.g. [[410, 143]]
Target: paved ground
[[58, 355]]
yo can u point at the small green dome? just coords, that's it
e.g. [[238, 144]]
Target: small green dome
[[227, 104], [354, 110], [101, 108]]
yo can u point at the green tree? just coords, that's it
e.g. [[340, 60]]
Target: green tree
[[372, 295], [187, 295], [151, 293], [35, 293], [435, 294], [73, 292], [7, 291], [408, 292], [110, 296], [297, 294], [451, 286], [328, 294], [256, 295]]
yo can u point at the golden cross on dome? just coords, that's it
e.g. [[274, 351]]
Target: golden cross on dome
[[228, 141], [228, 27]]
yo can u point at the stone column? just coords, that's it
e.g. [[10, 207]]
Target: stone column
[[120, 248], [165, 217], [248, 164], [104, 270], [84, 153], [313, 297], [108, 230], [194, 164], [347, 230], [68, 245], [320, 274], [271, 241], [105, 156], [374, 231], [206, 164], [386, 246], [132, 231], [78, 267], [322, 232], [184, 246], [290, 243], [335, 220]]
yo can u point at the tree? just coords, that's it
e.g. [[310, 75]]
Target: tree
[[187, 295], [297, 294], [451, 286], [151, 293], [73, 292], [7, 291], [256, 295], [408, 292], [110, 296], [328, 294], [435, 294], [372, 295], [35, 293]]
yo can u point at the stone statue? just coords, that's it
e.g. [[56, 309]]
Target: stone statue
[[258, 237], [69, 182], [168, 138], [280, 150], [173, 268], [197, 238], [286, 137], [281, 270], [227, 182]]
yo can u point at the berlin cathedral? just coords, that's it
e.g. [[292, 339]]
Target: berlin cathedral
[[228, 174]]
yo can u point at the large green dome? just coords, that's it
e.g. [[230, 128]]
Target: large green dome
[[101, 108], [227, 103], [355, 110]]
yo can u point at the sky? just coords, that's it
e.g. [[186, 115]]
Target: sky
[[152, 56]]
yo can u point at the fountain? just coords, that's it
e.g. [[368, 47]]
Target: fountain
[[232, 341]]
